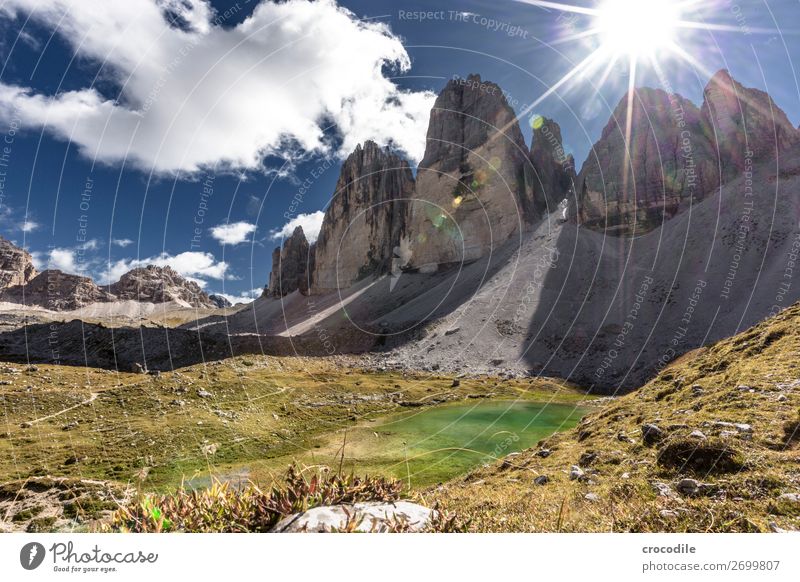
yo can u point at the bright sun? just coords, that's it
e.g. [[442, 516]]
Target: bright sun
[[637, 27], [639, 33]]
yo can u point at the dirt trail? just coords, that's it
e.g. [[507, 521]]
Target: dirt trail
[[92, 397]]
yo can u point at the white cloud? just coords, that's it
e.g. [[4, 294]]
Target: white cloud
[[202, 94], [193, 265], [66, 260], [29, 226], [233, 233], [121, 242], [311, 223]]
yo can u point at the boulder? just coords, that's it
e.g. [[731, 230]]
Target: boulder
[[576, 473], [663, 490], [374, 517], [652, 434]]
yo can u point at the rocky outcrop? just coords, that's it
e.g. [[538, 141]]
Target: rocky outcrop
[[219, 301], [679, 154], [57, 291], [290, 266], [366, 219], [474, 182], [553, 169], [16, 265], [155, 284]]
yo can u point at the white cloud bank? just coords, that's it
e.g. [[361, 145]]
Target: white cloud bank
[[203, 95], [233, 233], [311, 223], [29, 226], [121, 242]]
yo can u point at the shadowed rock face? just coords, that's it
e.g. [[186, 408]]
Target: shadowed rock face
[[58, 291], [672, 162], [744, 123], [679, 153], [554, 171], [366, 219], [16, 265], [156, 284], [290, 266], [474, 183]]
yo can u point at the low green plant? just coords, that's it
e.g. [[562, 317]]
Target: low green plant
[[225, 509]]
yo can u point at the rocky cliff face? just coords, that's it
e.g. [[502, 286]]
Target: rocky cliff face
[[676, 153], [366, 219], [16, 265], [670, 162], [154, 284], [290, 266], [553, 169], [744, 123], [57, 291], [474, 184]]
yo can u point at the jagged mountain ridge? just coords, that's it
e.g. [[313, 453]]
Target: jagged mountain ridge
[[58, 291], [478, 184], [677, 155]]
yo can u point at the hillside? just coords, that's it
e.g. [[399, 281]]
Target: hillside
[[711, 444]]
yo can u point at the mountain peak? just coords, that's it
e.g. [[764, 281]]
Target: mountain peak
[[744, 123], [290, 266], [159, 284]]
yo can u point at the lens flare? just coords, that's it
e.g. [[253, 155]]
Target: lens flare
[[637, 27]]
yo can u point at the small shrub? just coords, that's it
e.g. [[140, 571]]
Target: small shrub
[[222, 509]]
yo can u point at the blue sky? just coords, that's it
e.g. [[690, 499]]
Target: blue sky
[[129, 140]]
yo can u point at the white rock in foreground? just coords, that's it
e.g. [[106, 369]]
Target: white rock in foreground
[[370, 517]]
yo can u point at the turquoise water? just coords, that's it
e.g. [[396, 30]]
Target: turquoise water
[[437, 444]]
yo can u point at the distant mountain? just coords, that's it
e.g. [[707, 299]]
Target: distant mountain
[[219, 301], [58, 291], [154, 284]]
